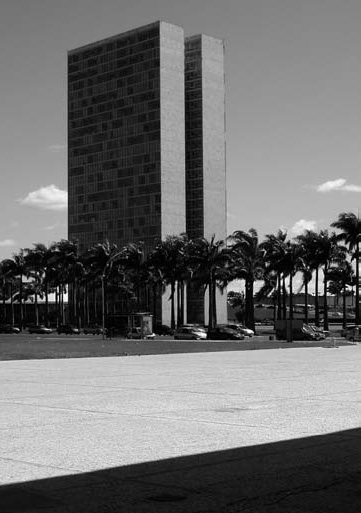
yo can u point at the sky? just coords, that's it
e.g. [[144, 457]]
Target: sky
[[293, 106]]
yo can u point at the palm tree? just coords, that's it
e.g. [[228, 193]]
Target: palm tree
[[37, 263], [308, 263], [65, 265], [132, 261], [4, 291], [273, 250], [99, 261], [292, 262], [350, 226], [207, 259], [170, 258], [328, 252], [312, 258], [247, 265], [339, 279], [15, 268]]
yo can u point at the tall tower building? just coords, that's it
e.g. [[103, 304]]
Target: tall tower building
[[146, 139], [126, 137], [205, 151]]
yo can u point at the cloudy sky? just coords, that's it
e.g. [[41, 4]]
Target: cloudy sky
[[293, 75]]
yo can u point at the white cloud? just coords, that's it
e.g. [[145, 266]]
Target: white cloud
[[338, 185], [300, 226], [47, 198], [7, 243], [57, 148], [49, 227]]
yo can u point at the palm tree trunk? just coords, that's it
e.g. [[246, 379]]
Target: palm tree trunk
[[172, 321], [344, 320], [87, 304], [182, 302], [325, 306], [46, 303], [214, 305], [306, 301], [210, 304], [154, 304], [178, 305], [36, 309], [95, 302], [57, 305], [290, 327], [62, 305], [21, 303], [317, 305], [284, 298], [4, 301], [12, 305], [357, 308], [249, 305], [279, 297], [291, 297]]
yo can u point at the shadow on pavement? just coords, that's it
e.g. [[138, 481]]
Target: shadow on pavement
[[314, 474]]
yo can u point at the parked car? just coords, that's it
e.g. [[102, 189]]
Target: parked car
[[39, 329], [190, 333], [225, 333], [348, 328], [354, 334], [163, 329], [68, 329], [247, 332], [8, 328], [138, 334], [312, 333], [93, 330]]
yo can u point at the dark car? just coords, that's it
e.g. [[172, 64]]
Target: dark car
[[40, 329], [224, 333], [93, 330], [163, 329], [7, 328], [190, 333], [68, 329]]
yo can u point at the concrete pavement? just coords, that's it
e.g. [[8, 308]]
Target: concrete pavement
[[274, 430]]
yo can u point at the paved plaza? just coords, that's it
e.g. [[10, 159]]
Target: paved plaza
[[267, 430]]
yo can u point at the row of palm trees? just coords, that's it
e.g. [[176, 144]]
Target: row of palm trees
[[105, 278]]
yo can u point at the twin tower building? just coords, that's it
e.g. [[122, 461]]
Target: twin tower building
[[146, 142]]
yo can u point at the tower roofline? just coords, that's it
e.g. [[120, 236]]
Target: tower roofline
[[120, 35]]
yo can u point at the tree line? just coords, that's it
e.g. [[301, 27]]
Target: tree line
[[106, 278]]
